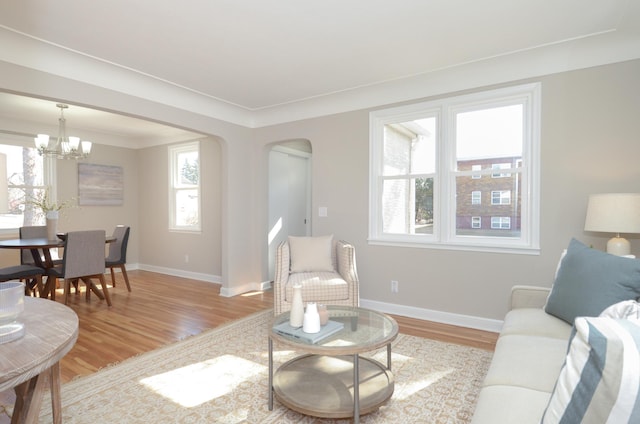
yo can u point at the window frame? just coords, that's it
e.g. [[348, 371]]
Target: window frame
[[48, 179], [444, 233], [173, 153]]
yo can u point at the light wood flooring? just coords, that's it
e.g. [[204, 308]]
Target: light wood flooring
[[163, 309]]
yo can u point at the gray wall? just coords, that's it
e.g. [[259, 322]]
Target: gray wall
[[590, 143]]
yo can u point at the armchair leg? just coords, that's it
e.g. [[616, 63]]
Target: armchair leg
[[113, 277]]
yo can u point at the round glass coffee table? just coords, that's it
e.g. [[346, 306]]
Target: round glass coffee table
[[331, 380]]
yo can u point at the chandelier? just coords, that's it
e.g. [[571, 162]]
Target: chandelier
[[63, 147]]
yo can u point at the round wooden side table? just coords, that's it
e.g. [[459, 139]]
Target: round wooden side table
[[29, 363]]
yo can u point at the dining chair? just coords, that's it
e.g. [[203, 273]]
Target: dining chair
[[34, 232], [24, 272], [82, 260], [117, 257]]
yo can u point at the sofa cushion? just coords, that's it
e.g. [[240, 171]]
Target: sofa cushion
[[589, 281], [509, 405], [526, 361], [535, 322], [311, 253], [319, 286], [600, 378]]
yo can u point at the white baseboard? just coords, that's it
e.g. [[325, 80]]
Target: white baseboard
[[209, 278], [435, 316], [389, 308]]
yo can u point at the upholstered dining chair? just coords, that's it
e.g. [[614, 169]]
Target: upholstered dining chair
[[33, 274], [34, 232], [326, 269], [82, 260], [117, 257]]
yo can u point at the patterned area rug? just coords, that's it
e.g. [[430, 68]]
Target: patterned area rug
[[220, 376]]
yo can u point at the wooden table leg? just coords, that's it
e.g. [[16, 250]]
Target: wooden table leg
[[29, 399], [56, 399]]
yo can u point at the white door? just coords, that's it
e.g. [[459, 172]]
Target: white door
[[289, 199]]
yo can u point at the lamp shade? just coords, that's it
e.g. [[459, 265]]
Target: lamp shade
[[613, 213]]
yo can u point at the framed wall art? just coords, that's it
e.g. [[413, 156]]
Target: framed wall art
[[100, 185]]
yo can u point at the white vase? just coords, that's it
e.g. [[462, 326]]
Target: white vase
[[311, 320], [52, 225], [296, 316]]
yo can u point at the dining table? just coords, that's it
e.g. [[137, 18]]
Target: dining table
[[45, 260]]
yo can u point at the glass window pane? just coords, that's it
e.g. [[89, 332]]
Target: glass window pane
[[186, 208], [188, 173], [410, 147], [23, 171], [489, 134], [395, 206], [407, 206], [499, 217]]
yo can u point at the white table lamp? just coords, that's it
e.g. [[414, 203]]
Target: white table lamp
[[614, 213]]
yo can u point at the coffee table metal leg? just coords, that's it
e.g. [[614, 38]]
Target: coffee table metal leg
[[356, 389], [270, 374], [389, 356]]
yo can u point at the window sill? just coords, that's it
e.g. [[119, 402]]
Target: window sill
[[493, 248]]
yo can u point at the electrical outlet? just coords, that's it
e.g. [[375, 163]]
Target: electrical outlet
[[394, 286], [186, 259]]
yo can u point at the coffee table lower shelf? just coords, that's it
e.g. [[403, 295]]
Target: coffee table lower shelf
[[322, 386]]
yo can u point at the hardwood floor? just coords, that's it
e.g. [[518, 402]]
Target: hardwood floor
[[163, 309]]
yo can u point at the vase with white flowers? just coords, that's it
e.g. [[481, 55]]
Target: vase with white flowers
[[50, 209]]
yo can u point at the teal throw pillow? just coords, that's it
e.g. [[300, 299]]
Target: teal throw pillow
[[589, 281]]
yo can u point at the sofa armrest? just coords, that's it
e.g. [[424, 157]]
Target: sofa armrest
[[528, 297]]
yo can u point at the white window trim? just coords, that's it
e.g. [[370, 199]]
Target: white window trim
[[529, 241], [173, 152]]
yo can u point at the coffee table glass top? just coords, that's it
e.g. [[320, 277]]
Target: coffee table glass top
[[363, 330]]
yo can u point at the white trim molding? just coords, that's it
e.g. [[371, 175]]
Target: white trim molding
[[467, 321]]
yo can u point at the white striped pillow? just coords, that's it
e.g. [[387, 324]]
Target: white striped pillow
[[600, 379]]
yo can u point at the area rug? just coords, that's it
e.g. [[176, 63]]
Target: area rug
[[220, 376]]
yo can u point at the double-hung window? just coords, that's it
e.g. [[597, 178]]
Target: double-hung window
[[22, 179], [184, 187], [430, 162]]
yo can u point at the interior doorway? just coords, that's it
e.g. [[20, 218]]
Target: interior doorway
[[289, 195]]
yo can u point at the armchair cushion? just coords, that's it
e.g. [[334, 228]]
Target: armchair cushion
[[310, 254], [320, 286]]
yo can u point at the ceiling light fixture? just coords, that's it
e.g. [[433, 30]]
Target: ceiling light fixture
[[63, 147]]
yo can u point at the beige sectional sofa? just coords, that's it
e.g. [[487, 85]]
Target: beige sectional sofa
[[529, 355]]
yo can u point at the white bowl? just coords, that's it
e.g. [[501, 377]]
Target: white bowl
[[11, 301]]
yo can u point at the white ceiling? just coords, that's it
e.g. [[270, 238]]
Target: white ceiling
[[262, 56]]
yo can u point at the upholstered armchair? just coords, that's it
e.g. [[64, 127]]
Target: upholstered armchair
[[326, 269]]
